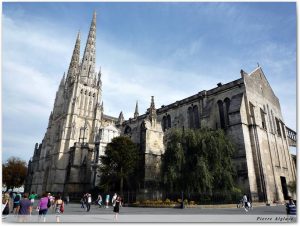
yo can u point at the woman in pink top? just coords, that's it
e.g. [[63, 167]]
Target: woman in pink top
[[42, 206]]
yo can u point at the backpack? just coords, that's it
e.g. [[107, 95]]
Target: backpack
[[17, 199], [49, 203]]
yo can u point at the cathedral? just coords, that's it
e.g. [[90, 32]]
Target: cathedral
[[78, 131]]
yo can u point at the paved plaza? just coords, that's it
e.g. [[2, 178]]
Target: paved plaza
[[74, 213]]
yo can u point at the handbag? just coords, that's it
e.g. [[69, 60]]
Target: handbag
[[62, 209]]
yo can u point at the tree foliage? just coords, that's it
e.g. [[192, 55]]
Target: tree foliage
[[119, 163], [198, 161], [292, 187], [14, 173]]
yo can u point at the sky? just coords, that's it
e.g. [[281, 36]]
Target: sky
[[166, 50]]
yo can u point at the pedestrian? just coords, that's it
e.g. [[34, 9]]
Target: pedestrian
[[99, 201], [59, 207], [67, 199], [52, 201], [82, 201], [113, 199], [107, 200], [88, 202], [24, 209], [117, 205], [43, 207], [32, 198], [6, 205], [291, 207], [245, 202], [17, 203]]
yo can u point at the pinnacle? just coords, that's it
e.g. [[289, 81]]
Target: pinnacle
[[78, 35]]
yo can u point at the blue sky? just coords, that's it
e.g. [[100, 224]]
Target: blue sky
[[168, 50]]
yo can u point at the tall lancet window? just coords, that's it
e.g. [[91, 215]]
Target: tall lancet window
[[82, 134], [169, 121], [190, 117], [227, 105], [196, 117], [221, 114]]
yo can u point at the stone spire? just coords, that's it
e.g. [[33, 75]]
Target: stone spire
[[121, 118], [89, 56], [136, 112], [152, 112], [74, 64], [152, 106], [62, 82]]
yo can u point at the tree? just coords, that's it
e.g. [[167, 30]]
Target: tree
[[292, 187], [119, 162], [14, 173], [173, 162], [198, 161]]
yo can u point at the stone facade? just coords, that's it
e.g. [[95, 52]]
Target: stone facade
[[65, 160], [78, 131]]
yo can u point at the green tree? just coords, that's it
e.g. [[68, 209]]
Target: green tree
[[198, 161], [14, 173], [292, 187], [119, 162], [173, 162]]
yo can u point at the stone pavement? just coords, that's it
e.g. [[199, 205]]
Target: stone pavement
[[73, 213]]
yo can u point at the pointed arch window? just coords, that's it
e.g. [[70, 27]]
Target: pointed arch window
[[196, 117], [221, 114], [166, 122], [190, 117], [169, 121], [127, 130], [227, 105]]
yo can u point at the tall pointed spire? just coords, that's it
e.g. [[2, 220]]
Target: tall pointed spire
[[89, 56], [121, 118], [74, 64], [152, 112], [152, 106], [136, 112], [62, 82]]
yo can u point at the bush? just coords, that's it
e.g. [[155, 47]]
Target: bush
[[167, 201], [185, 202]]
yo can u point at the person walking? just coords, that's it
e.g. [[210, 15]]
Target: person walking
[[88, 202], [43, 207], [117, 204], [6, 205], [82, 201], [59, 207], [245, 202], [113, 199], [32, 198], [24, 209], [99, 201], [17, 203], [291, 207], [67, 199], [107, 200]]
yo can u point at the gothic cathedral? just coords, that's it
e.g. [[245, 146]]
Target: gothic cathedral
[[78, 131]]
